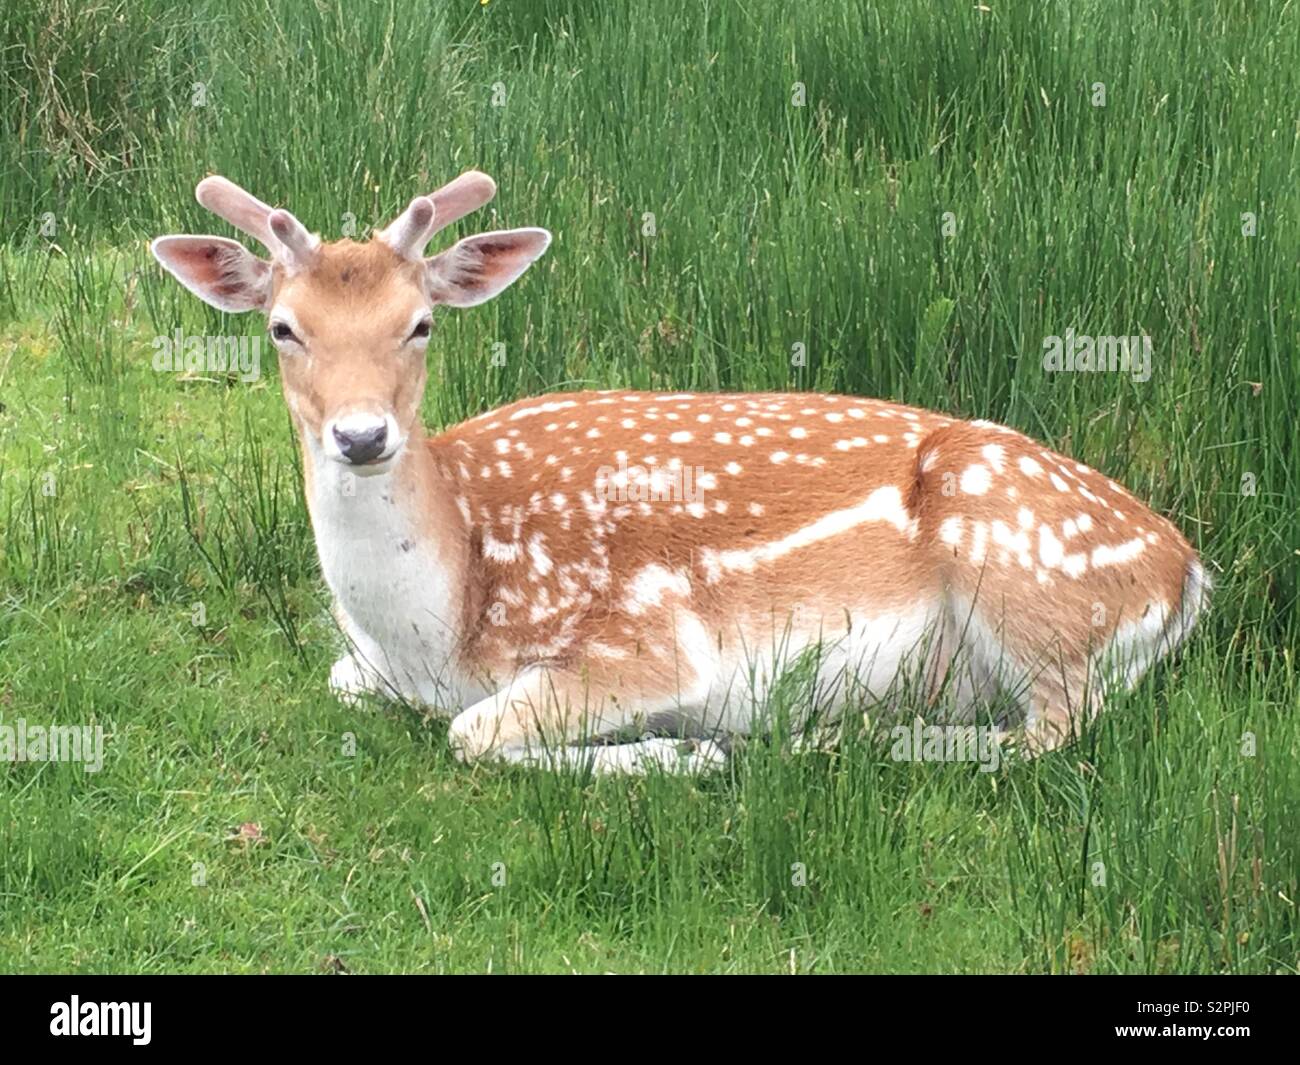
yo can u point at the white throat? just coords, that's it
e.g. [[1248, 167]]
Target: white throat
[[398, 601]]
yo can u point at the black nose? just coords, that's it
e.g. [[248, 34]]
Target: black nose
[[363, 446]]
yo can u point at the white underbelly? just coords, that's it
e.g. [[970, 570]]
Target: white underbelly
[[807, 670]]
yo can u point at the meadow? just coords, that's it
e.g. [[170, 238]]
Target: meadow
[[898, 199]]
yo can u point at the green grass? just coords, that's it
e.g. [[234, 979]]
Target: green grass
[[133, 503]]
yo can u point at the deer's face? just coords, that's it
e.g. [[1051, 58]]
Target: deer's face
[[351, 322], [351, 334]]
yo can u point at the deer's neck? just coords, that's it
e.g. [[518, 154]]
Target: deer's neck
[[393, 550]]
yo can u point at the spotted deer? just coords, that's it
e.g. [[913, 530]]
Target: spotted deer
[[618, 578]]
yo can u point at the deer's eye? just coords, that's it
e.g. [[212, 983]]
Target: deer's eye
[[281, 331], [421, 330]]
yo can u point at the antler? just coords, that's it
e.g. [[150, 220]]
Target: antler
[[289, 242], [283, 235], [412, 229]]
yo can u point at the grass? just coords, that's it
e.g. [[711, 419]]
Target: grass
[[158, 576]]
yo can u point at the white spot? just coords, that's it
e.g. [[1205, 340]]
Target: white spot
[[950, 531], [680, 437], [722, 438], [979, 542], [500, 550], [544, 408], [1025, 518], [756, 509], [1030, 467], [975, 480], [732, 468], [1084, 521], [1075, 565], [1017, 541], [799, 432], [995, 455], [1059, 484], [541, 560], [1105, 555], [649, 585], [1051, 552], [779, 456]]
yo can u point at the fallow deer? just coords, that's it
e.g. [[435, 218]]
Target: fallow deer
[[575, 570]]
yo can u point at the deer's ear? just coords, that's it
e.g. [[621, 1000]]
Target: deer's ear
[[477, 268], [219, 271]]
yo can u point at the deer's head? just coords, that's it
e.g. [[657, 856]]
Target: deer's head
[[351, 321]]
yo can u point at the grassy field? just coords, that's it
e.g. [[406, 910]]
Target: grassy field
[[916, 192]]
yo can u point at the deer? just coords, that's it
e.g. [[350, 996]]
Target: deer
[[616, 579]]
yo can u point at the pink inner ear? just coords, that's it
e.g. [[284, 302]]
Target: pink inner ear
[[209, 266], [477, 268], [217, 270]]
